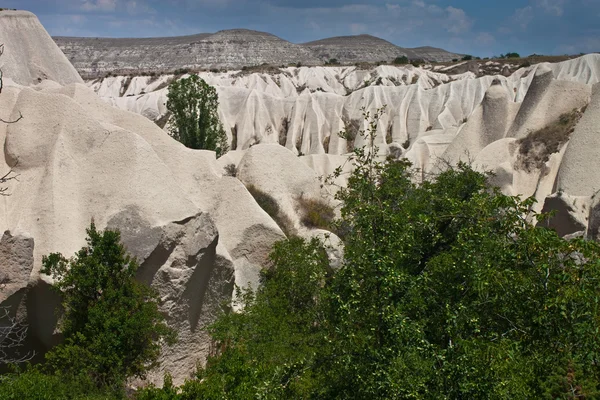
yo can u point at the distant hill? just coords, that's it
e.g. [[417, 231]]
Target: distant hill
[[367, 48], [234, 48]]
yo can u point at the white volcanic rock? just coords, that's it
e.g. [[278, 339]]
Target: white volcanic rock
[[16, 259], [577, 175], [571, 213], [194, 231], [546, 100], [30, 54], [281, 174], [487, 124]]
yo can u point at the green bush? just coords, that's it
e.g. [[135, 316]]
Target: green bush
[[112, 327], [32, 384], [193, 105]]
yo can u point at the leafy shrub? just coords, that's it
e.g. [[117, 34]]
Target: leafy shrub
[[270, 206], [467, 57], [112, 327], [34, 384], [316, 213], [193, 105], [266, 352]]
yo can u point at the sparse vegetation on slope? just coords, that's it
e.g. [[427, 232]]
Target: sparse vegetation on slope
[[316, 213], [270, 206], [536, 148]]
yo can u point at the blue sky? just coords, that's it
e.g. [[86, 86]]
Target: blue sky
[[479, 27]]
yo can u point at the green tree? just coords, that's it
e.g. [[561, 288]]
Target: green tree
[[193, 106], [111, 325], [401, 60]]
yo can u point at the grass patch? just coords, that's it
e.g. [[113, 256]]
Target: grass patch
[[270, 206], [316, 213], [536, 148]]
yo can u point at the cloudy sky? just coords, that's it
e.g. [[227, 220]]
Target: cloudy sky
[[480, 27]]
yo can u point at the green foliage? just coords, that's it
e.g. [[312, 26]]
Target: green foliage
[[193, 106], [112, 327], [467, 57], [33, 384], [510, 55], [266, 351], [402, 60], [446, 292]]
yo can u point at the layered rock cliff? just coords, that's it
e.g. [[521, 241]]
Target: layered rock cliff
[[229, 49]]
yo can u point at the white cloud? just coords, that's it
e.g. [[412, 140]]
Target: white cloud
[[99, 5], [554, 7], [457, 21]]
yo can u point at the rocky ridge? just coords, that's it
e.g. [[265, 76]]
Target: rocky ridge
[[227, 49]]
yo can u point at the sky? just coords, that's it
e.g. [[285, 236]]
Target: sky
[[479, 27]]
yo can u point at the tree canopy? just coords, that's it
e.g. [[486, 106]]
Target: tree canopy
[[193, 105], [112, 326]]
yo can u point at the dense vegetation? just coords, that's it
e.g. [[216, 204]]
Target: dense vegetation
[[446, 292], [193, 105], [111, 326]]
